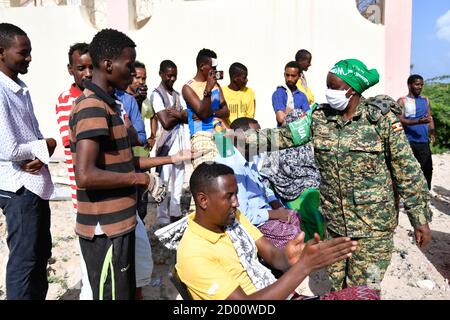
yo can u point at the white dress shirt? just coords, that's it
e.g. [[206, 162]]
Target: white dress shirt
[[21, 140]]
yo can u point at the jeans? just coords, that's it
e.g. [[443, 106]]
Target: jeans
[[29, 242]]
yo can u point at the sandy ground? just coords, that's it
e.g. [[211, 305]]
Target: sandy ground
[[413, 274]]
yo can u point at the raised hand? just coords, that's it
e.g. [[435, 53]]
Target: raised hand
[[317, 254]]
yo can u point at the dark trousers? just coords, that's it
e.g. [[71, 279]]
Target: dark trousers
[[29, 242], [422, 153], [94, 252]]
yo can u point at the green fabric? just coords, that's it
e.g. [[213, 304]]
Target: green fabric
[[307, 207], [224, 145], [140, 152], [300, 128], [107, 263], [356, 74], [147, 111]]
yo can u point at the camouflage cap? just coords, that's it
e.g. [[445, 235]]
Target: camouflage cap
[[356, 74]]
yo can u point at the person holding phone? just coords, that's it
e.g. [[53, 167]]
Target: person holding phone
[[206, 106]]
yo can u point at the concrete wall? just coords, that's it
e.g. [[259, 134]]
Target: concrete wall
[[262, 34]]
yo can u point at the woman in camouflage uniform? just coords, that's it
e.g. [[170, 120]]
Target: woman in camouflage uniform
[[364, 160]]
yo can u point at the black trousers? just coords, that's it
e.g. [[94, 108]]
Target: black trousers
[[123, 252], [422, 152], [29, 242]]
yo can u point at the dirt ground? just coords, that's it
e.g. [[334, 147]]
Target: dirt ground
[[413, 274]]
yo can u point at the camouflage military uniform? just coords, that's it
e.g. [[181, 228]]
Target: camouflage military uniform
[[357, 197], [357, 193]]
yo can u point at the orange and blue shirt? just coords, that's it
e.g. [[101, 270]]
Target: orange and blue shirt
[[208, 123]]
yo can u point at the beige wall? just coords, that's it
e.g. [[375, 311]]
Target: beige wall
[[262, 34]]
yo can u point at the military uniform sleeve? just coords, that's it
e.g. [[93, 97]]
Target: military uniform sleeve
[[270, 139], [406, 173]]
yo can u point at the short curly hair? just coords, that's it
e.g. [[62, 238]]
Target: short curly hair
[[108, 44]]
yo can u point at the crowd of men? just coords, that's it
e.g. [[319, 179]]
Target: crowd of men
[[249, 233]]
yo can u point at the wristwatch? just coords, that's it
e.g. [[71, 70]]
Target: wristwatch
[[207, 93]]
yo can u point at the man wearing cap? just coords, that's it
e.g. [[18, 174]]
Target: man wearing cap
[[364, 158]]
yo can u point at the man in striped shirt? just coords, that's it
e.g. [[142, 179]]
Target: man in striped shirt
[[105, 169], [80, 67]]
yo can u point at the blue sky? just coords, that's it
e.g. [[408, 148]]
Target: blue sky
[[430, 51]]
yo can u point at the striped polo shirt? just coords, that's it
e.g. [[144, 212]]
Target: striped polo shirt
[[98, 115]]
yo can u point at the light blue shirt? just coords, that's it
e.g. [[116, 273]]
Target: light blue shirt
[[132, 109], [21, 141], [253, 196]]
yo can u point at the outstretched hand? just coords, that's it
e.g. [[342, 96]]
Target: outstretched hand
[[294, 248], [317, 254], [188, 154]]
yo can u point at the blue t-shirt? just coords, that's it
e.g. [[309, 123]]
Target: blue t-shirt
[[132, 109], [205, 124], [280, 99], [416, 108]]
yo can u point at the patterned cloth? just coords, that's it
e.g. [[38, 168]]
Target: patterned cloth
[[203, 141], [279, 232], [353, 293], [246, 250], [292, 170], [350, 293]]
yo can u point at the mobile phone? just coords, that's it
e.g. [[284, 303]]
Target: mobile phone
[[219, 75]]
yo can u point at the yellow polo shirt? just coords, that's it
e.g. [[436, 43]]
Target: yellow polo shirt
[[240, 103], [208, 264]]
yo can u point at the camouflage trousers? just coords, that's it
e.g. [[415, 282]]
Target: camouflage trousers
[[366, 266]]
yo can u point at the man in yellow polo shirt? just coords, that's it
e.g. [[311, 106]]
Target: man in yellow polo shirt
[[217, 257], [240, 99]]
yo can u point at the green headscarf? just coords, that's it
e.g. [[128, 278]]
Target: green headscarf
[[356, 74]]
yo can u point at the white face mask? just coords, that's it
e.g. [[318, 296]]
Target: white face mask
[[337, 99]]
